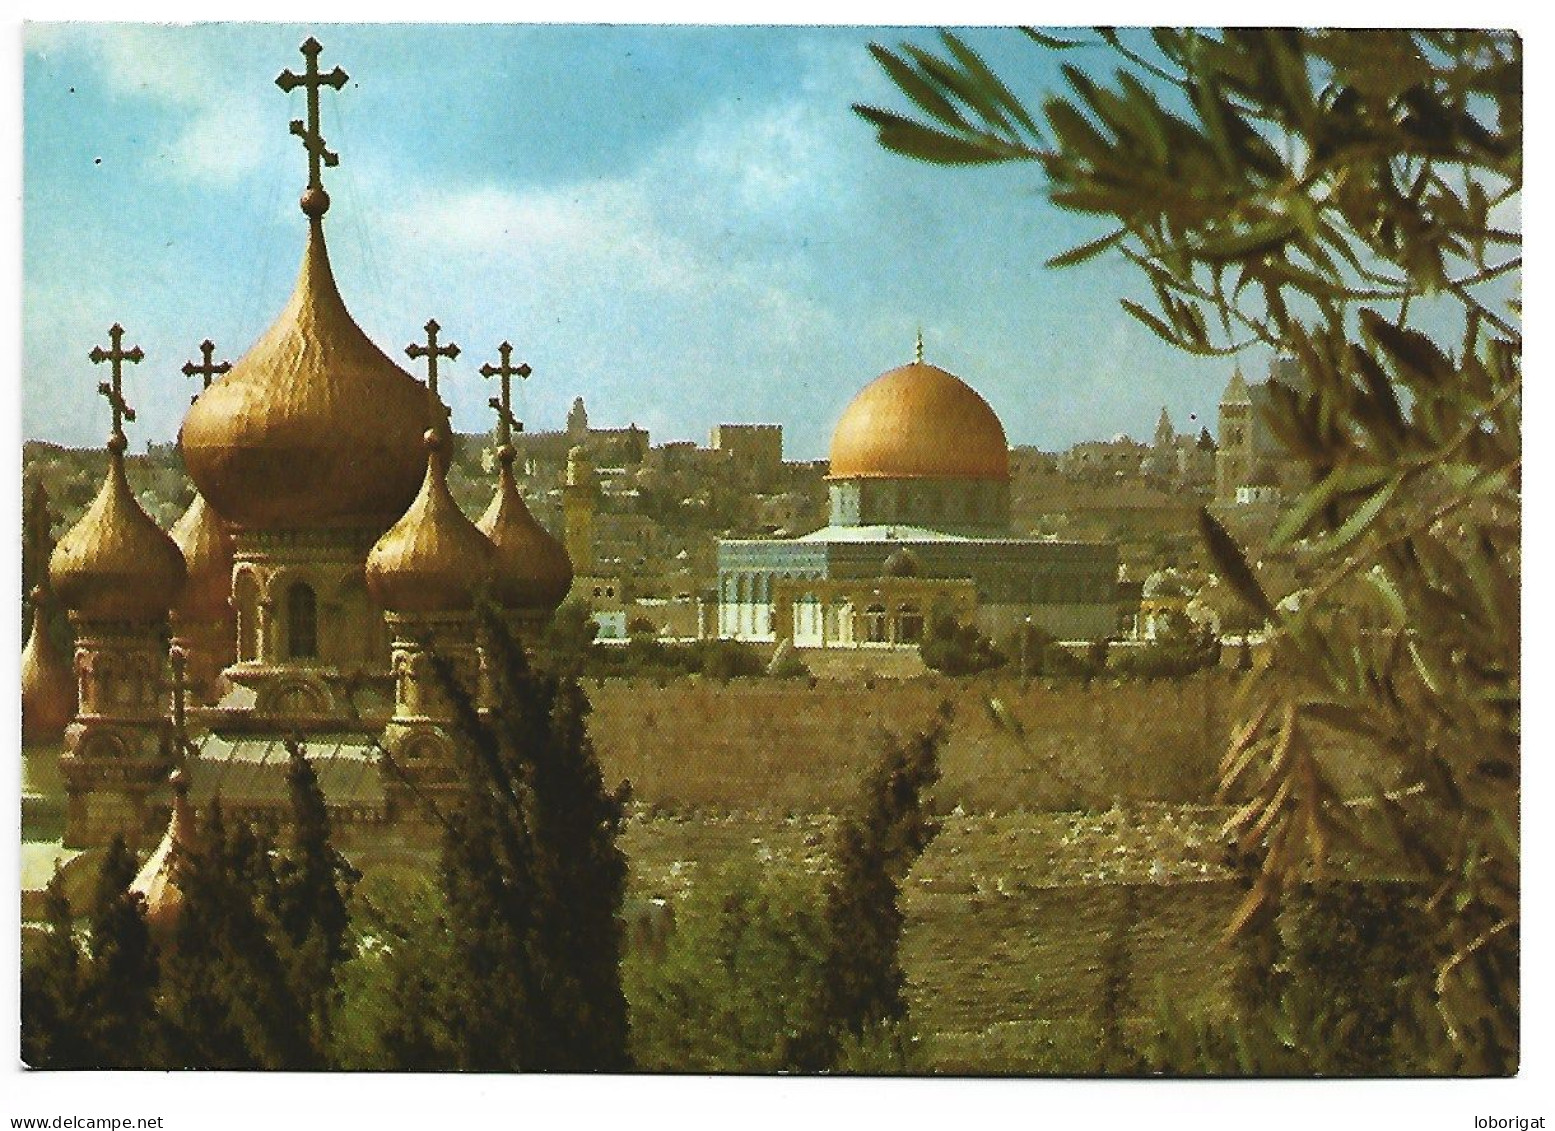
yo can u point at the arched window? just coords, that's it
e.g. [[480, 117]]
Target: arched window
[[909, 624], [302, 622]]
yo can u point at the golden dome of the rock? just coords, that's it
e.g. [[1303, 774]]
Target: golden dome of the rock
[[533, 571], [116, 563], [48, 681], [207, 548], [314, 426], [919, 422], [433, 560]]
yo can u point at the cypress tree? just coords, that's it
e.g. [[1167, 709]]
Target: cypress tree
[[229, 1002], [533, 876], [313, 882], [876, 846], [52, 1032], [120, 985]]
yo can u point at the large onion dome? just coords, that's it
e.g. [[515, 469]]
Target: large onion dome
[[206, 544], [433, 560], [314, 426], [919, 421], [156, 882], [48, 681], [116, 563], [533, 571]]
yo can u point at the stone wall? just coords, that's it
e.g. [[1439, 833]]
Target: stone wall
[[777, 746]]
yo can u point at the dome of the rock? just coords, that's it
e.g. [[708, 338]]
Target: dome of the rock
[[116, 563], [314, 426], [433, 560], [919, 421]]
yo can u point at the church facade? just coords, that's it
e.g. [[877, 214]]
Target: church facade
[[919, 522]]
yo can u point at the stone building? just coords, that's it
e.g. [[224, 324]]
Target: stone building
[[1252, 466], [919, 462]]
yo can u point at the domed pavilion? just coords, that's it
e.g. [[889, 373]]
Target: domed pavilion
[[919, 490]]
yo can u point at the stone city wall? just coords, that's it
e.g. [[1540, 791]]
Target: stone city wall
[[780, 745]]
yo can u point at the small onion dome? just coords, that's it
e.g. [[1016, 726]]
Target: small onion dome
[[902, 563], [919, 422], [207, 548], [116, 563], [433, 560], [314, 426], [48, 683], [533, 571], [156, 882]]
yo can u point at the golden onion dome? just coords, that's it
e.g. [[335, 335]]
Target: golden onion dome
[[314, 426], [433, 560], [919, 422], [207, 548], [533, 571], [48, 682], [116, 563], [157, 880]]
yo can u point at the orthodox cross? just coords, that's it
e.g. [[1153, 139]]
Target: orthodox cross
[[114, 390], [506, 425], [917, 350], [312, 139], [208, 368], [432, 351]]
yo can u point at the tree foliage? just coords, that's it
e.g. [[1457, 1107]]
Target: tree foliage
[[533, 876], [1349, 198], [878, 842], [740, 979], [90, 1003]]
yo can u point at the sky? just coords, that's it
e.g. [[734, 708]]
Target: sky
[[686, 226]]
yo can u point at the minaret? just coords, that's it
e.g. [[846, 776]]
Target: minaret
[[577, 421], [118, 574], [427, 571], [533, 572], [580, 500]]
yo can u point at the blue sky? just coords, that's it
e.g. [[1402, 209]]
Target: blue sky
[[684, 225]]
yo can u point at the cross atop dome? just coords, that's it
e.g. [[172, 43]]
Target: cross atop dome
[[116, 355], [315, 201], [506, 424], [208, 368], [917, 350], [432, 351]]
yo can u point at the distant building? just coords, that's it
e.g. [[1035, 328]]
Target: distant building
[[1103, 459], [1181, 458], [1250, 455], [754, 450], [920, 517]]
